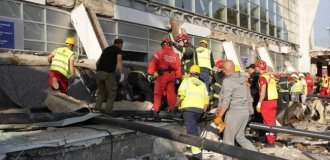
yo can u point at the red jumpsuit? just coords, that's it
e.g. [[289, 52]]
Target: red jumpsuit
[[310, 84], [268, 113], [168, 62], [324, 86]]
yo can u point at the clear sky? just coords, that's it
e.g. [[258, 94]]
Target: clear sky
[[322, 21]]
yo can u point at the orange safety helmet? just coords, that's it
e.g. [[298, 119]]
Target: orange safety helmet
[[219, 63], [166, 40], [261, 64], [182, 36]]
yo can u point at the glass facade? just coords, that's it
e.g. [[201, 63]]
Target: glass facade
[[45, 28], [275, 18], [141, 42]]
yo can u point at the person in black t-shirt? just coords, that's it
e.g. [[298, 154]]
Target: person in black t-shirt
[[110, 59], [254, 88]]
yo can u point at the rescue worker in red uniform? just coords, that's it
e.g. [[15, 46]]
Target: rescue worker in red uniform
[[324, 89], [267, 100], [310, 83], [166, 66]]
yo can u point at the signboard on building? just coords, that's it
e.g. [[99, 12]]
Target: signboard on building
[[37, 1], [7, 34]]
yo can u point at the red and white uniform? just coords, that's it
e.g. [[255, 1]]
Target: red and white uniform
[[268, 112], [169, 62], [310, 84]]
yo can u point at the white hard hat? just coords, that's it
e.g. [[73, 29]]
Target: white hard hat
[[301, 75], [294, 76]]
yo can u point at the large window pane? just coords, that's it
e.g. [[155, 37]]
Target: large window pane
[[263, 27], [135, 56], [279, 21], [126, 3], [244, 54], [202, 7], [279, 33], [132, 30], [272, 18], [263, 14], [110, 39], [244, 20], [34, 31], [33, 13], [232, 4], [108, 26], [154, 46], [219, 12], [232, 16], [271, 6], [134, 44], [157, 35], [10, 9], [217, 50], [55, 34], [243, 6], [58, 18], [254, 24], [223, 2], [36, 46], [184, 4], [272, 30], [51, 47], [254, 10], [254, 1], [263, 4]]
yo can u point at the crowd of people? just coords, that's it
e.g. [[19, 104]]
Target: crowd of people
[[193, 83]]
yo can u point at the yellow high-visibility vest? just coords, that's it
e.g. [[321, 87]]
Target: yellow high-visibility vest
[[204, 58], [193, 93], [60, 61], [296, 87], [325, 82], [271, 89]]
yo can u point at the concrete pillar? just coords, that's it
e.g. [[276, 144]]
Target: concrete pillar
[[306, 20]]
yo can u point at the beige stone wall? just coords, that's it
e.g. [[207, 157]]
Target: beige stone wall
[[100, 7]]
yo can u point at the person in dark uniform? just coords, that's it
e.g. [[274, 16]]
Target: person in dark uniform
[[254, 89], [140, 86]]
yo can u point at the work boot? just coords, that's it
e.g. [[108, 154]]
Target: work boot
[[55, 83]]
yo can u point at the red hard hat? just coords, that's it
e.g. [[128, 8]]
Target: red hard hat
[[166, 40], [219, 63], [183, 36], [261, 64]]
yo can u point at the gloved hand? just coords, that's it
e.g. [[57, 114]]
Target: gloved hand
[[218, 124], [177, 81], [122, 76], [258, 108]]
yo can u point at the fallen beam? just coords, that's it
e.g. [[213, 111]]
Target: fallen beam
[[206, 144], [318, 96], [296, 132]]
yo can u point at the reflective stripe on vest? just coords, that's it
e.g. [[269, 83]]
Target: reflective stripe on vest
[[325, 82], [195, 94], [204, 58], [283, 85], [60, 61], [271, 90], [140, 72], [296, 88]]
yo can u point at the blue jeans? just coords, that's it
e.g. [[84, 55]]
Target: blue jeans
[[205, 77], [191, 122]]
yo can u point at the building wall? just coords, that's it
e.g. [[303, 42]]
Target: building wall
[[37, 27], [279, 21]]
